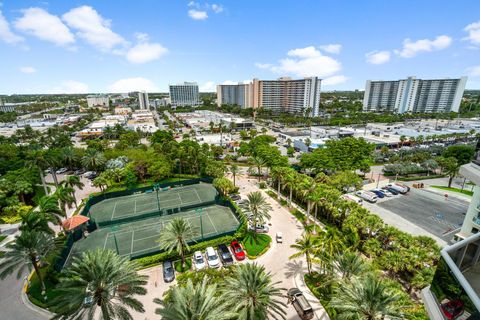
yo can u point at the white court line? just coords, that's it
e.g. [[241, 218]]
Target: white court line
[[213, 224], [197, 195], [113, 212], [131, 247], [135, 208], [179, 198], [106, 238]]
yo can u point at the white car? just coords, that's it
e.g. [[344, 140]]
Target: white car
[[199, 261], [261, 228], [212, 258], [367, 195], [279, 237], [61, 170]]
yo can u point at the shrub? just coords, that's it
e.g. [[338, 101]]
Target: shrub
[[272, 194], [283, 202], [262, 185], [299, 215], [178, 265]]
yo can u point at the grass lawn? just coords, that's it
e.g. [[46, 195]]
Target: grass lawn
[[464, 191], [178, 265], [256, 247], [35, 291]]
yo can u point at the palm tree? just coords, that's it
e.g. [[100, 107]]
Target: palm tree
[[69, 157], [367, 298], [100, 182], [279, 174], [199, 302], [402, 140], [234, 170], [252, 293], [93, 159], [53, 160], [65, 198], [258, 207], [258, 163], [71, 182], [27, 251], [348, 265], [36, 221], [306, 245], [175, 236], [49, 206], [102, 280], [290, 181]]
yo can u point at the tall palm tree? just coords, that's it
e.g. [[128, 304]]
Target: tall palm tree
[[49, 206], [27, 251], [306, 245], [93, 159], [279, 173], [194, 302], [73, 182], [69, 157], [102, 282], [175, 236], [367, 298], [36, 160], [234, 170], [53, 161], [36, 221], [65, 198], [290, 181], [348, 265], [257, 206], [252, 293], [258, 163]]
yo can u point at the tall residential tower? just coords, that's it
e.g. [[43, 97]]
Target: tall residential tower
[[414, 95], [143, 100], [184, 94]]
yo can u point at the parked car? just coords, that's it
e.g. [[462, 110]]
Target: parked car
[[353, 198], [61, 170], [260, 228], [237, 250], [90, 175], [300, 303], [452, 309], [398, 188], [225, 255], [378, 193], [391, 190], [386, 193], [235, 197], [279, 237], [199, 261], [168, 271], [403, 185], [79, 172], [367, 195], [212, 258]]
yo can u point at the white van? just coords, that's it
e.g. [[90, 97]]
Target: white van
[[398, 188], [351, 197], [367, 195]]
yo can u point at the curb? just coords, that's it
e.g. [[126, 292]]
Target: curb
[[27, 303]]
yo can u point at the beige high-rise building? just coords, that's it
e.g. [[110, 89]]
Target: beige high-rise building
[[301, 96]]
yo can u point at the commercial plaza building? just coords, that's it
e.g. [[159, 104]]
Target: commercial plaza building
[[414, 95], [300, 96], [184, 94]]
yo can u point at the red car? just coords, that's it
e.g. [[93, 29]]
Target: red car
[[452, 309], [237, 250]]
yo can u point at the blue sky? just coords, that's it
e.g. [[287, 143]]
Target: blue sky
[[105, 46]]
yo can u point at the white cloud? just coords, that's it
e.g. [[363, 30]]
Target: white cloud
[[473, 30], [93, 28], [217, 8], [332, 48], [410, 49], [307, 62], [193, 4], [263, 65], [133, 84], [69, 86], [28, 70], [307, 52], [6, 34], [474, 71], [145, 52], [45, 26], [197, 15], [334, 80], [208, 86], [378, 57]]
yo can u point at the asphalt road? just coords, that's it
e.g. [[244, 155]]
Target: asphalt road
[[429, 210]]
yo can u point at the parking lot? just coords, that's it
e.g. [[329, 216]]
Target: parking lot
[[426, 209]]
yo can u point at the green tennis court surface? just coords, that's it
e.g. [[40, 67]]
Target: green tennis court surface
[[139, 206], [140, 237]]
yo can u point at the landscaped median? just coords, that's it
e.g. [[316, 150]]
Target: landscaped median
[[457, 190], [256, 245]]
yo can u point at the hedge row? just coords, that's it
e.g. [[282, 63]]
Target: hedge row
[[433, 176]]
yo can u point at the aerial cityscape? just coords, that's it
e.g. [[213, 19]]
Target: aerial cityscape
[[190, 160]]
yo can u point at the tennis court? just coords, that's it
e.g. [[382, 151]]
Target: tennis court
[[140, 237], [149, 203]]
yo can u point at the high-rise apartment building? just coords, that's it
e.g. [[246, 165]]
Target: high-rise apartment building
[[184, 94], [301, 96], [414, 95], [98, 100], [143, 100], [238, 94]]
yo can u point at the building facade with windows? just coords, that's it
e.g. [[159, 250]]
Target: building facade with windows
[[143, 103], [240, 94], [184, 94], [98, 100], [414, 95]]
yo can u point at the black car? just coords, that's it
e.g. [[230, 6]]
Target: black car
[[235, 197], [225, 255], [168, 271]]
